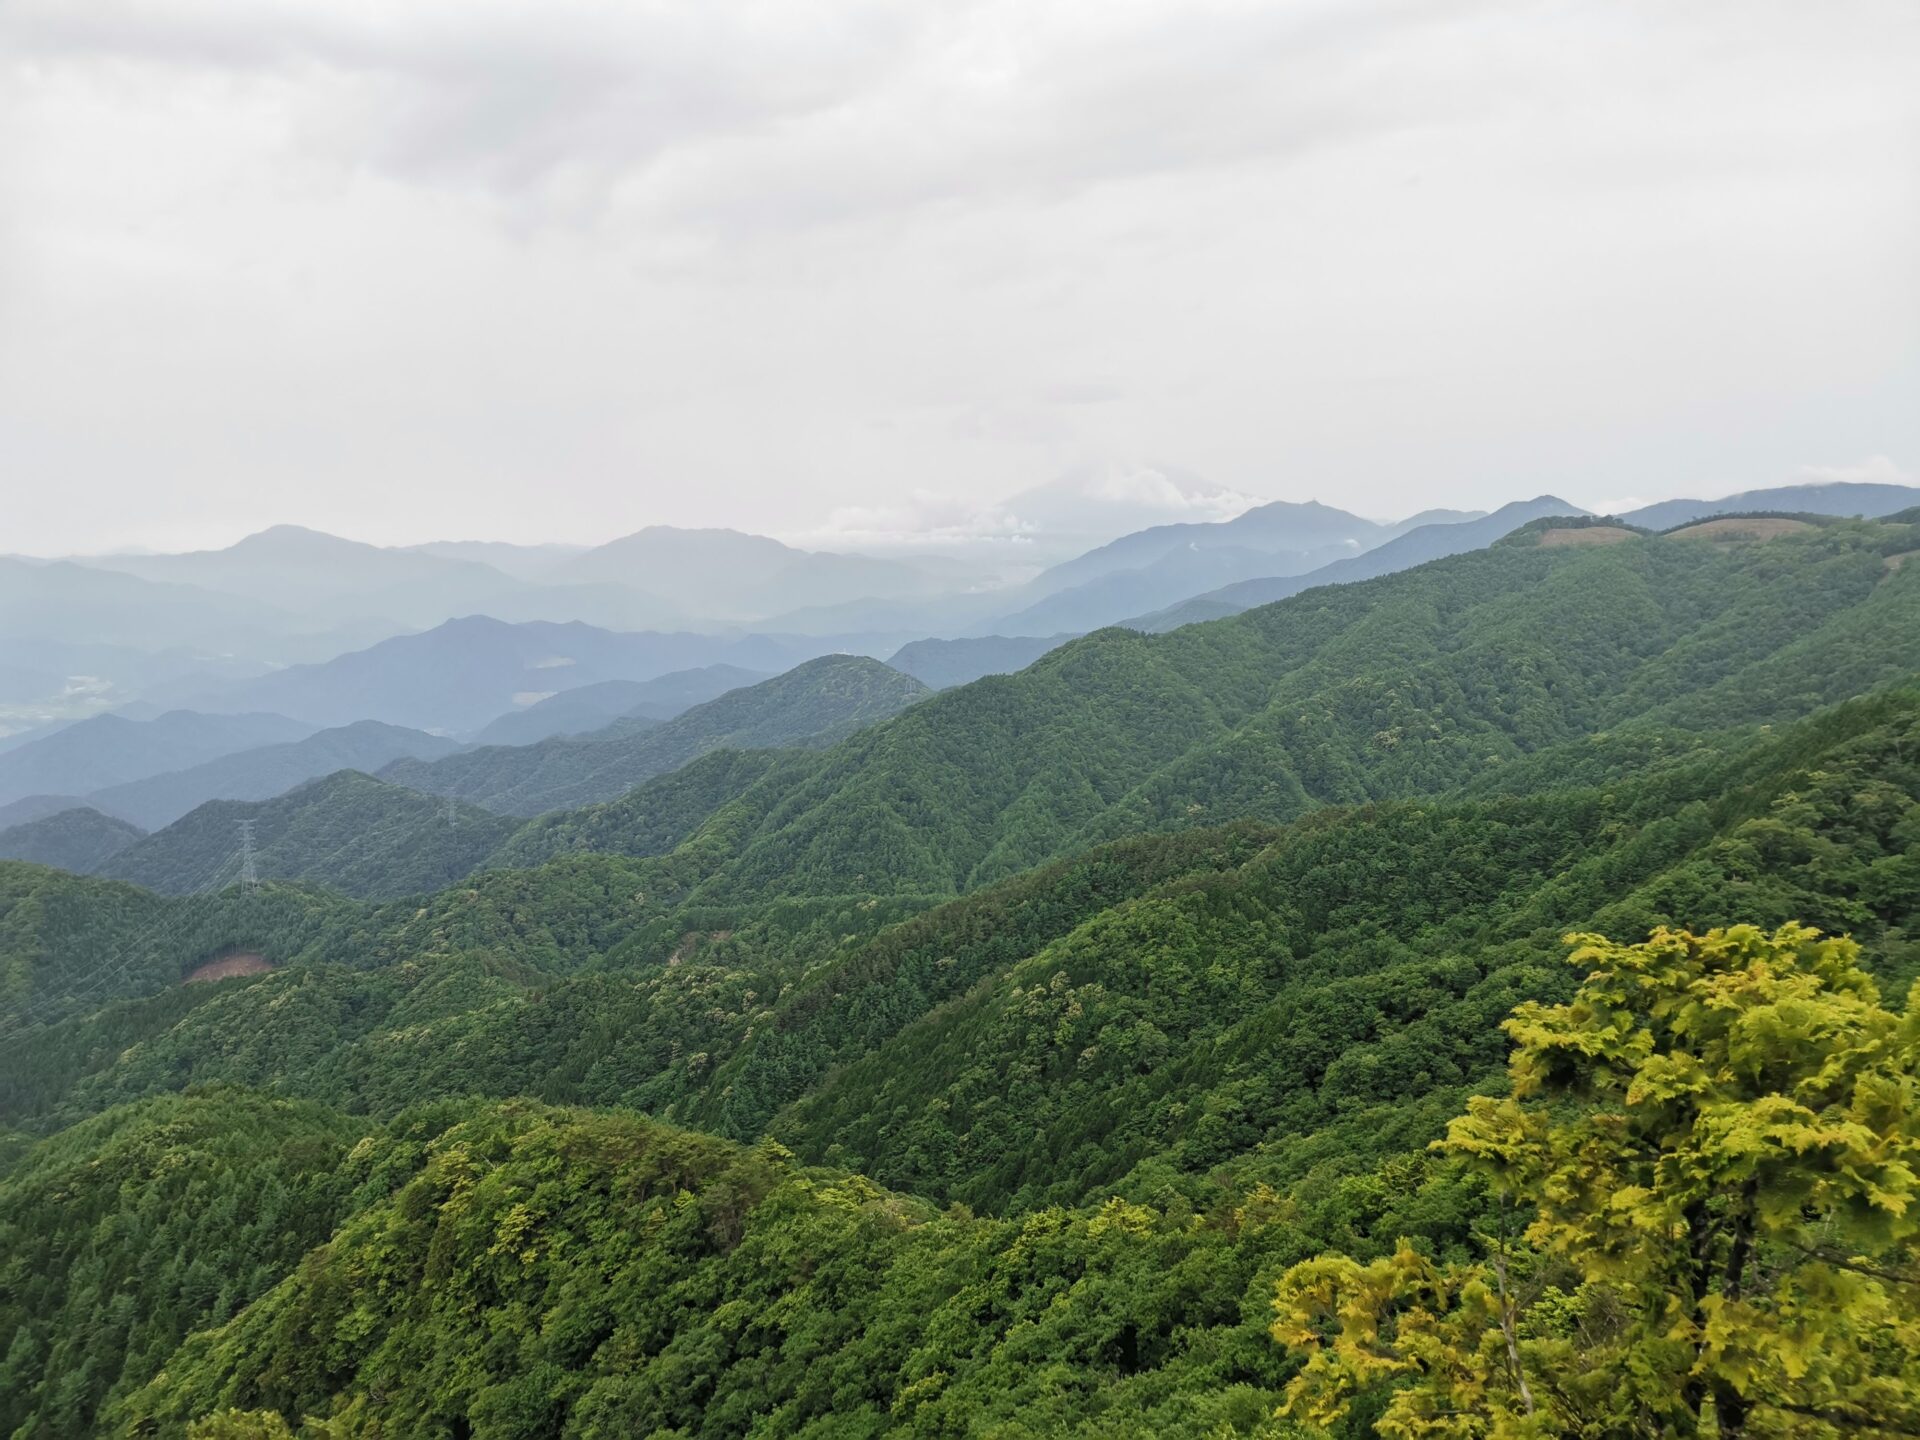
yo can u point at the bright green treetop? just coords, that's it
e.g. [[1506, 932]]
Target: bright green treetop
[[1718, 1143]]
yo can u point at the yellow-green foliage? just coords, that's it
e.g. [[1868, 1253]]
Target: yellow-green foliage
[[1714, 1150]]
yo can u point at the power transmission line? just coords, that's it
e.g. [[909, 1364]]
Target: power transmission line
[[249, 867]]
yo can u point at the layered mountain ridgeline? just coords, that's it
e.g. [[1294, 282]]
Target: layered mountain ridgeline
[[1453, 674], [347, 832], [591, 707], [1413, 547], [61, 603], [942, 664], [1410, 684], [1414, 683], [36, 807], [79, 839], [1839, 498], [1180, 1066], [814, 704], [112, 750], [728, 575], [1115, 1096], [267, 771], [1083, 989], [1167, 563], [1438, 533], [464, 674]]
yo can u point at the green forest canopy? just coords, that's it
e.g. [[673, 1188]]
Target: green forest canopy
[[1021, 1129]]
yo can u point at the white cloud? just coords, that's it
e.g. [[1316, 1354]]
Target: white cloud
[[1874, 470], [1087, 505], [559, 270]]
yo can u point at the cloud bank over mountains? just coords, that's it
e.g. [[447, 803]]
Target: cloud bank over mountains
[[565, 270]]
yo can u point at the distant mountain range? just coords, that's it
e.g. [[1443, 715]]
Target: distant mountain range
[[79, 839], [65, 603], [732, 577], [29, 808], [1156, 567], [813, 704], [942, 664], [268, 770], [592, 707], [1840, 498], [111, 750], [1412, 547], [257, 624], [460, 676]]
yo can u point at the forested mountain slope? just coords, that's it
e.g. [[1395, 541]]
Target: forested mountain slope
[[813, 704], [70, 943], [268, 770], [1413, 683], [591, 707], [593, 980], [35, 807], [347, 831], [80, 839], [1247, 1038], [1077, 1118]]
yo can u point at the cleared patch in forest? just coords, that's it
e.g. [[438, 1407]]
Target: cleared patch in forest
[[244, 963], [1758, 528], [1586, 535]]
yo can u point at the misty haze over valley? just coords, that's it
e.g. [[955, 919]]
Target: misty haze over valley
[[994, 721]]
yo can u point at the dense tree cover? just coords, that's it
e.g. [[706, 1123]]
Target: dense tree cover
[[1166, 1002], [1361, 960], [69, 944], [814, 704], [1711, 1147], [347, 831], [126, 1233], [1712, 1159], [489, 1010], [1080, 1119], [658, 814], [1416, 683], [80, 839], [558, 1272]]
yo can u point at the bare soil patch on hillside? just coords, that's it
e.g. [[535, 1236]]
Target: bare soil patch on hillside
[[1585, 535], [1894, 562], [229, 965], [1734, 529]]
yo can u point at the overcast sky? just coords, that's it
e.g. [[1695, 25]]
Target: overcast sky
[[562, 268]]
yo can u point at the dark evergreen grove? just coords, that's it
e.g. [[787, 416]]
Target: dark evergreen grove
[[1061, 1056]]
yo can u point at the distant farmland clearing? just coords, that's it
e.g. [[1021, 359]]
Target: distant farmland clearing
[[1733, 529], [1586, 535]]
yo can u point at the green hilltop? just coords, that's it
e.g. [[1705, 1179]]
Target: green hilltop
[[993, 1069]]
